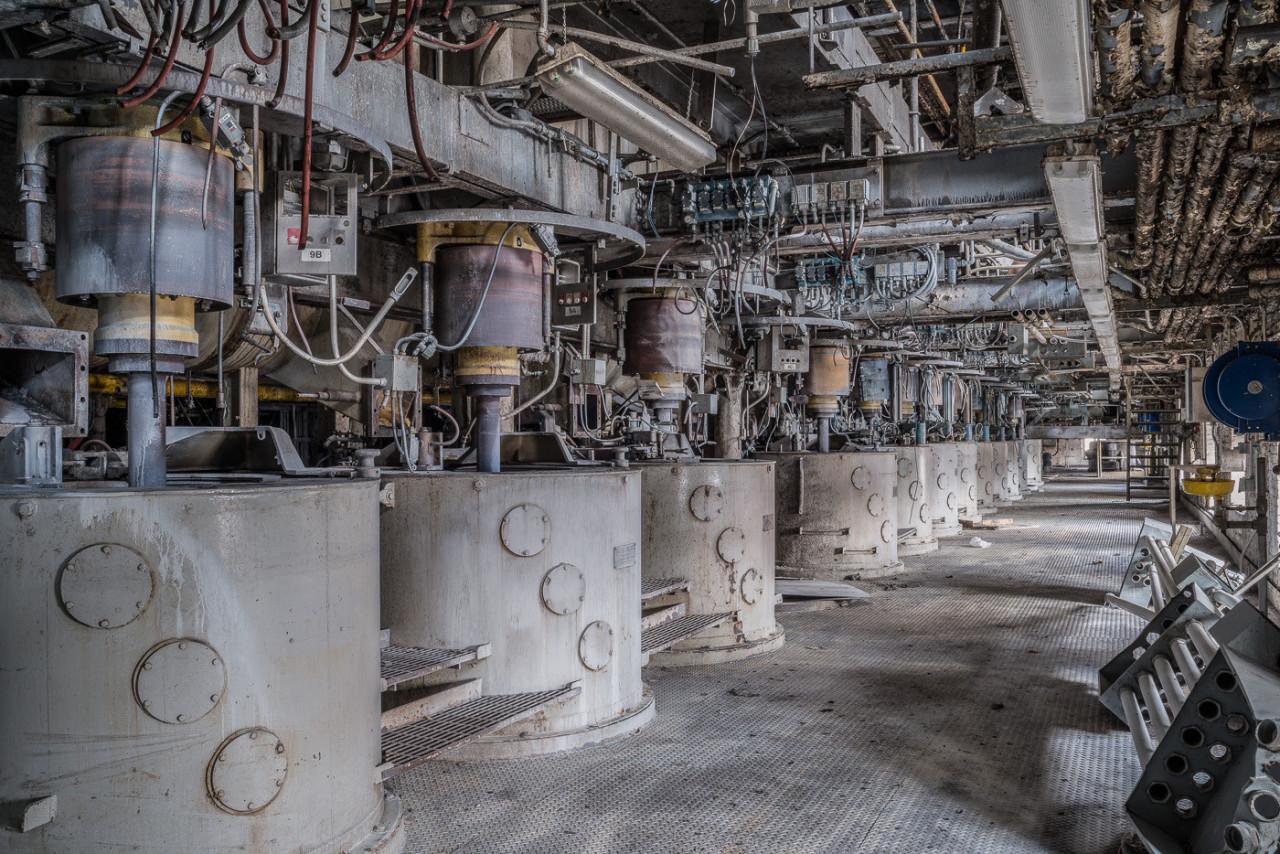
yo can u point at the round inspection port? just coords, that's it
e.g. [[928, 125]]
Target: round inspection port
[[1158, 792], [1226, 681], [1268, 734], [1175, 763], [1265, 806], [1192, 736], [1208, 710], [1241, 838]]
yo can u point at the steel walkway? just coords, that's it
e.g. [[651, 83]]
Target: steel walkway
[[956, 711]]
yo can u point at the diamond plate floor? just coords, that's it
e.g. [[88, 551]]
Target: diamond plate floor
[[955, 711]]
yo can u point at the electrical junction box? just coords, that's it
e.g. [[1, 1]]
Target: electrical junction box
[[331, 227], [573, 299], [775, 355], [399, 370], [590, 371], [1193, 410], [705, 404]]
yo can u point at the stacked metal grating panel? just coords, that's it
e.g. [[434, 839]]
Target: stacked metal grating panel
[[1199, 689]]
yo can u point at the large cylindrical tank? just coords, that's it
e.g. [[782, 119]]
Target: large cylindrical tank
[[104, 206], [712, 524], [829, 373], [968, 483], [194, 669], [663, 334], [988, 479], [1006, 464], [946, 492], [915, 497], [542, 565], [837, 514], [1032, 465], [511, 314]]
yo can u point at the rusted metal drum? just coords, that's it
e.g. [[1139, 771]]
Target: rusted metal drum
[[837, 514], [542, 565], [512, 312], [663, 335], [193, 669], [711, 524], [946, 492], [967, 485], [915, 500], [104, 220]]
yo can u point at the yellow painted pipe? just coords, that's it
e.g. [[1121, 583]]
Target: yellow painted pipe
[[115, 384]]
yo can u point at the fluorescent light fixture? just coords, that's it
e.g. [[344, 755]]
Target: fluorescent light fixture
[[1053, 49], [582, 82], [1076, 186], [1089, 265]]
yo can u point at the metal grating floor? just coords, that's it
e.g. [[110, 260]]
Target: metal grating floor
[[402, 663], [665, 635], [954, 712], [406, 746], [651, 587]]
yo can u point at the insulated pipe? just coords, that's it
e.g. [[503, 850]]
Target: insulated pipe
[[1186, 661], [1182, 149], [824, 435], [1204, 186], [1137, 727], [1204, 642], [1150, 151], [1159, 44], [1173, 691], [1160, 722], [1206, 22]]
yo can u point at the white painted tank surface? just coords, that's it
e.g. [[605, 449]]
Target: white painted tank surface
[[713, 524], [544, 565], [194, 669], [946, 489], [837, 514]]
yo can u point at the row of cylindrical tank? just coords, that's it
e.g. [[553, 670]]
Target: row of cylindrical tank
[[203, 657]]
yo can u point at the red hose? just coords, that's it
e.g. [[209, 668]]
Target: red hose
[[351, 43], [387, 31], [410, 25], [244, 38], [312, 26], [411, 101], [165, 69], [147, 56], [195, 99], [471, 46], [284, 60]]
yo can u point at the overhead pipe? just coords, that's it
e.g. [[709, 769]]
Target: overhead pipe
[[1159, 44], [1150, 152], [1241, 223], [1114, 43], [848, 77], [1204, 185], [1182, 148], [1201, 44]]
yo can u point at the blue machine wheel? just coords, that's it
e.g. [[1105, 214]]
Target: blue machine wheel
[[1242, 388]]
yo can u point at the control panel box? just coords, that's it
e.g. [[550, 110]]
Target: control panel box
[[332, 227], [573, 297]]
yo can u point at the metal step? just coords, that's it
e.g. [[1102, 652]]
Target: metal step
[[651, 588], [672, 632], [412, 744], [401, 664]]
